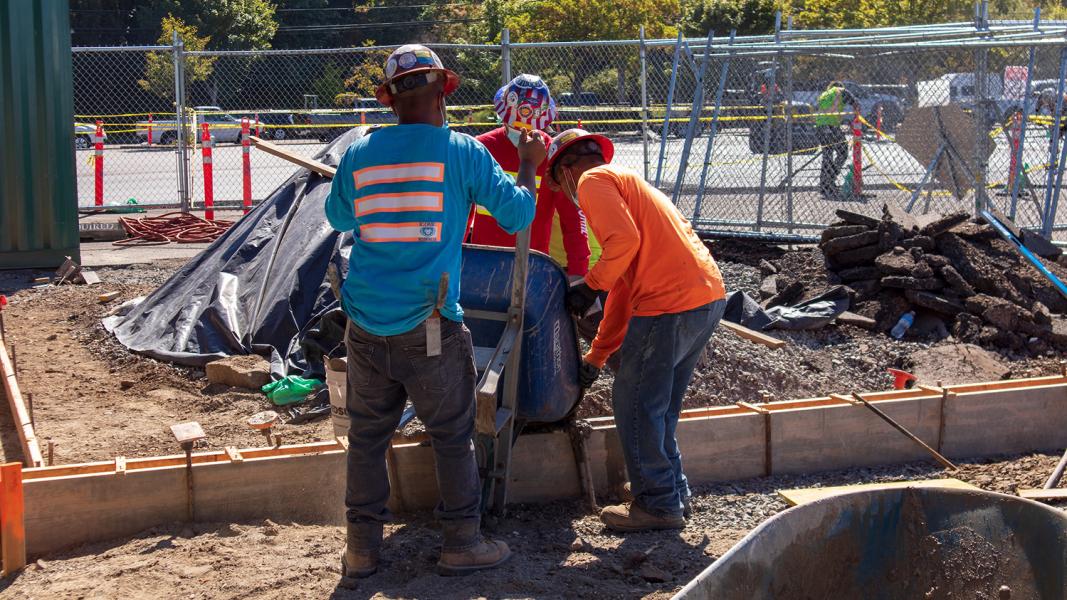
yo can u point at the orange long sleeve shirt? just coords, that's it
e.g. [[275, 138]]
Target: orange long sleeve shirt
[[652, 261]]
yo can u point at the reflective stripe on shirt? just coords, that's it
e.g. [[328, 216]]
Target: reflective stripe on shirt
[[400, 173], [400, 202], [400, 232]]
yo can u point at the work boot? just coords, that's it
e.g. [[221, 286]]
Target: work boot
[[627, 495], [484, 554], [360, 558], [465, 550], [630, 517]]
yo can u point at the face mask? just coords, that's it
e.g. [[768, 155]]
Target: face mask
[[514, 135]]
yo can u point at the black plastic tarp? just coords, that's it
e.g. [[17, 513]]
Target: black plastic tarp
[[261, 288]]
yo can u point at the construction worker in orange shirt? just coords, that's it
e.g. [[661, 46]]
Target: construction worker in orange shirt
[[525, 104], [667, 297]]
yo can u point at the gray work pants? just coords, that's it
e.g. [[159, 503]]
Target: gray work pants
[[382, 373]]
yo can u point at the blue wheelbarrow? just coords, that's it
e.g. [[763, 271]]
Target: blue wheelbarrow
[[897, 544]]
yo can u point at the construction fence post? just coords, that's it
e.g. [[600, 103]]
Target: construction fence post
[[714, 128], [667, 112], [644, 101], [788, 128], [184, 183], [981, 201], [209, 187], [246, 167], [692, 129], [505, 54], [98, 164], [771, 86], [1049, 215]]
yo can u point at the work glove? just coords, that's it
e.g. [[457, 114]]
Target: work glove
[[587, 375], [580, 298]]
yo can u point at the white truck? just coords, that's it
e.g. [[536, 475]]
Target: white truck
[[1003, 96]]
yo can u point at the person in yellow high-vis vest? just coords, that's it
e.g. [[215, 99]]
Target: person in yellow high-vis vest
[[829, 115]]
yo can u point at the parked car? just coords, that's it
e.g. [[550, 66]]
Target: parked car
[[328, 124], [224, 127], [83, 135], [273, 125]]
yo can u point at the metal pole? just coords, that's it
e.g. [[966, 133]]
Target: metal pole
[[694, 120], [788, 132], [980, 198], [1057, 115], [1014, 177], [644, 102], [667, 114], [1056, 188], [768, 126], [505, 54], [184, 183], [714, 130]]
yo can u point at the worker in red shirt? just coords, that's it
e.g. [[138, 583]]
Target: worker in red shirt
[[526, 104]]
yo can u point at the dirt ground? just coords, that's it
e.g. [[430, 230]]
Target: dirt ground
[[561, 551], [94, 400]]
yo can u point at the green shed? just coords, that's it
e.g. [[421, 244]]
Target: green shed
[[38, 199]]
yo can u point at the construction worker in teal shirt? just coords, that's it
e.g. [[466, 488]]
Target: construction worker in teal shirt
[[404, 193], [830, 113]]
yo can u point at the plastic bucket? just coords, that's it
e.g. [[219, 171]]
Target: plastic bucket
[[337, 383]]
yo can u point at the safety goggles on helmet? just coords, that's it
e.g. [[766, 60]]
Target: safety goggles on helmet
[[562, 143], [407, 61], [525, 103]]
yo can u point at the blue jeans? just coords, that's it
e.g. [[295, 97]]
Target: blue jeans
[[382, 373], [658, 356]]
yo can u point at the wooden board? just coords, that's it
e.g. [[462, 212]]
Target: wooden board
[[31, 450], [752, 335], [804, 495], [12, 519], [842, 436], [1057, 494], [308, 163], [1003, 421], [305, 482]]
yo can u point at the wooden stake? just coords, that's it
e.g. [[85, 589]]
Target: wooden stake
[[310, 164], [12, 519], [937, 455], [752, 335]]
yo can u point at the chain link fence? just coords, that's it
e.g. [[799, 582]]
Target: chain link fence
[[732, 131]]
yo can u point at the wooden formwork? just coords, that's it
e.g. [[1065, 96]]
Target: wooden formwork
[[75, 504]]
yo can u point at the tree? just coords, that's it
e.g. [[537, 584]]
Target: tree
[[748, 17], [159, 66], [579, 20], [230, 24]]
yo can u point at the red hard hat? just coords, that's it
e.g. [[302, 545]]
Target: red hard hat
[[568, 138]]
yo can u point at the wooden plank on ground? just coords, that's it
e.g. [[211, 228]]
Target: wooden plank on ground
[[302, 161], [804, 495], [1057, 494], [1003, 421], [31, 451], [752, 335]]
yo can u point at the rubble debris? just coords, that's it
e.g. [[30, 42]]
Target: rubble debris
[[952, 269], [769, 287], [249, 371], [788, 294], [108, 297], [766, 269]]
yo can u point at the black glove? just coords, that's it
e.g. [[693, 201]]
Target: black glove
[[587, 375], [580, 297]]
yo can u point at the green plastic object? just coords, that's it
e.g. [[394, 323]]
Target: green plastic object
[[291, 390]]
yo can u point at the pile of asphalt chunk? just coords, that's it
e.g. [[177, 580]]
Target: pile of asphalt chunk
[[953, 271]]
